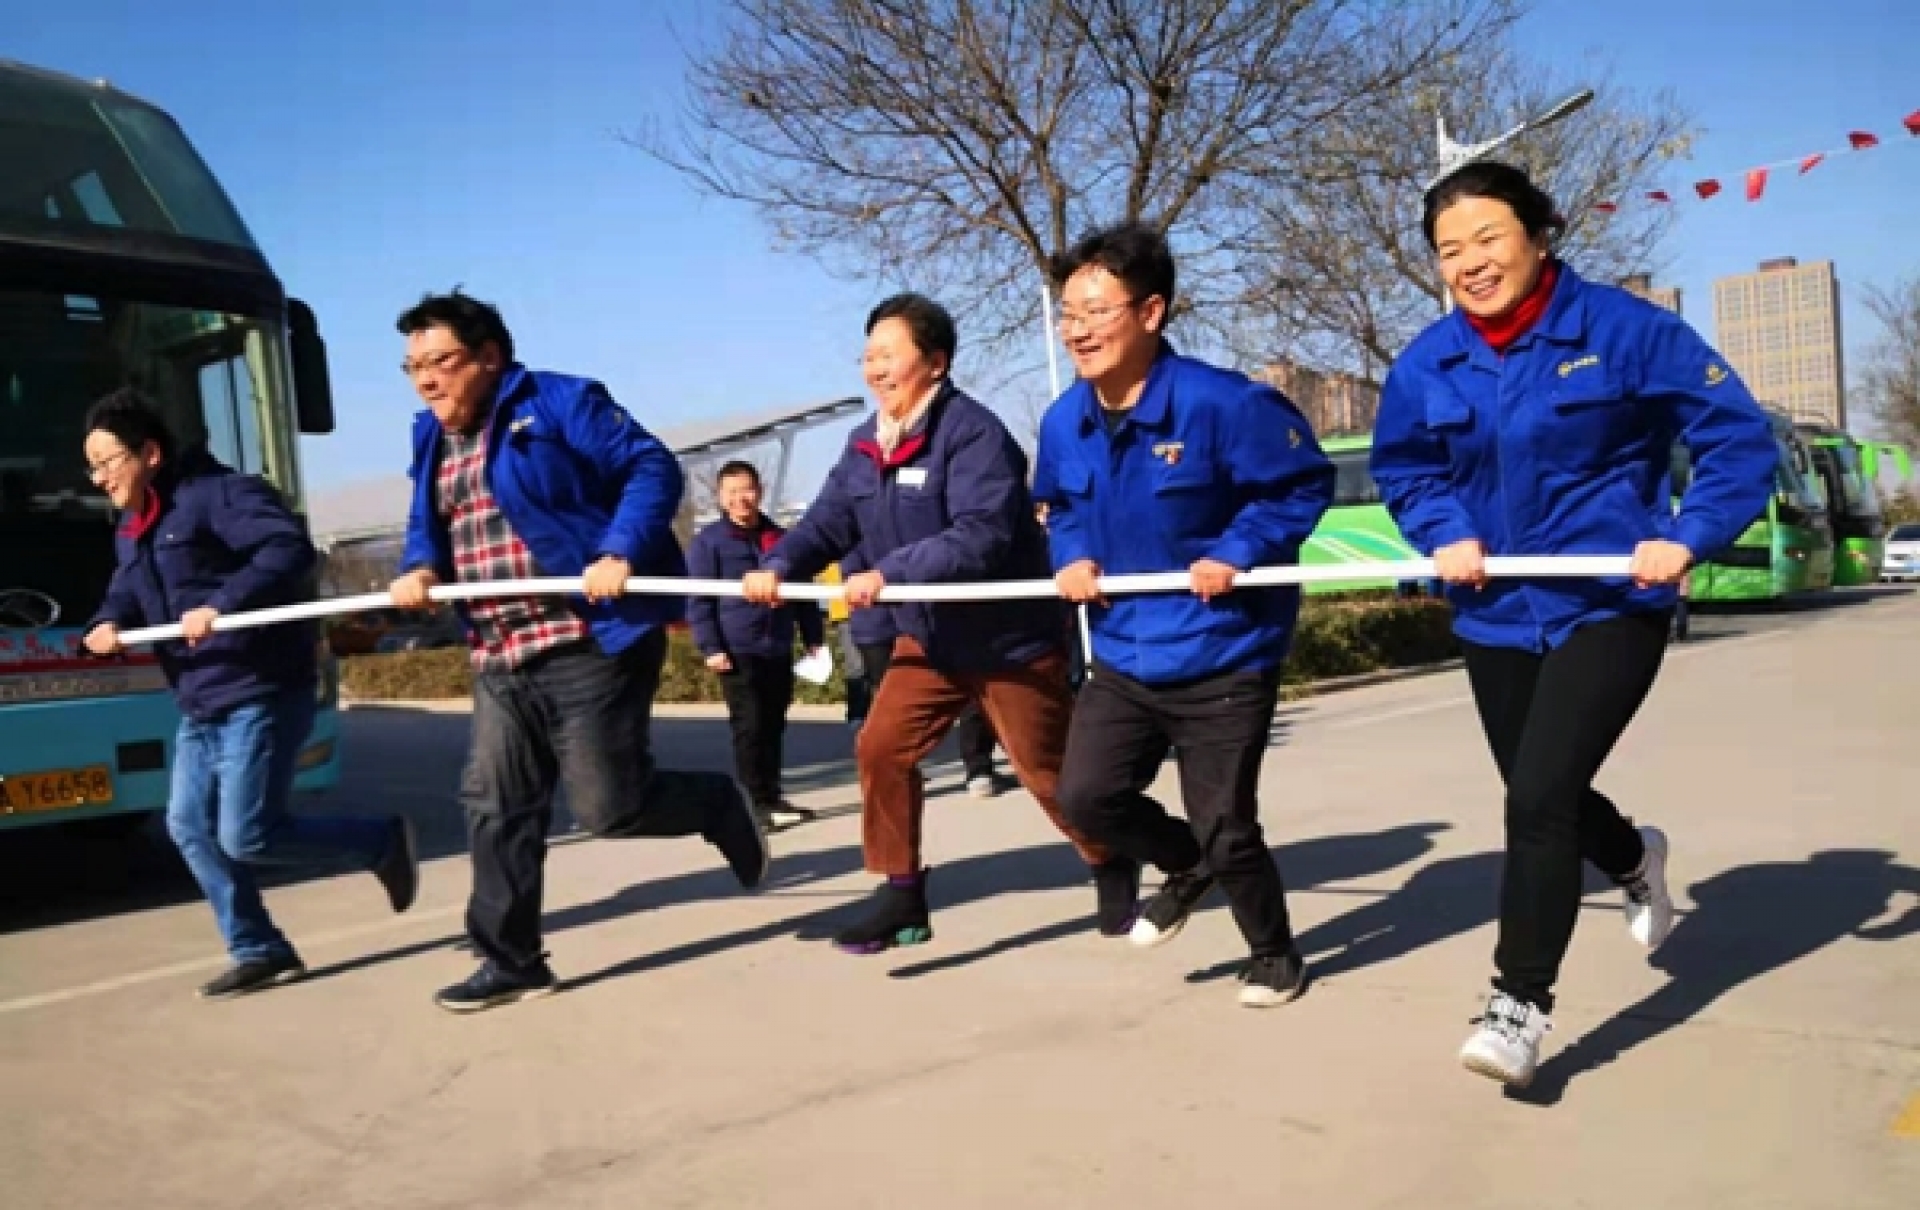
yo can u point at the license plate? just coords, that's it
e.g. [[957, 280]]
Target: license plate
[[55, 790]]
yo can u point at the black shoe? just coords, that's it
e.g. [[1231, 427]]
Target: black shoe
[[1270, 981], [898, 917], [735, 829], [491, 987], [399, 867], [1166, 913], [252, 975], [1116, 889]]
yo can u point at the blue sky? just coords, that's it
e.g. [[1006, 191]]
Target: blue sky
[[380, 151]]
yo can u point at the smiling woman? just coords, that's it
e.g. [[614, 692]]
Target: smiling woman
[[932, 489], [1542, 419]]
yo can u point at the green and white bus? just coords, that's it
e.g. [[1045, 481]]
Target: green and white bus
[[1786, 552], [1849, 471]]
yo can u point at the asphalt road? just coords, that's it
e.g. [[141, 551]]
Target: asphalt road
[[710, 1050]]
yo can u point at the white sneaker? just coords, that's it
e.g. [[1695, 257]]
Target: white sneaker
[[1506, 1047], [1648, 906], [982, 786]]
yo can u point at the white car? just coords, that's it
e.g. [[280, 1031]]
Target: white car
[[1903, 553]]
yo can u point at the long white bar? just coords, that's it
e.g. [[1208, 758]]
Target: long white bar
[[1498, 567]]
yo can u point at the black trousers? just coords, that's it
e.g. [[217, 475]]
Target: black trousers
[[1219, 728], [972, 733], [758, 691], [1551, 719], [580, 719]]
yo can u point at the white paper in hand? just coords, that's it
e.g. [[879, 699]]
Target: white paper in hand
[[816, 667]]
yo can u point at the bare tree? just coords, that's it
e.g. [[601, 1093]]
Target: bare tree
[[1348, 274], [1889, 382], [958, 145]]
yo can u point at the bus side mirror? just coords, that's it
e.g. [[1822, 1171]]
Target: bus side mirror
[[312, 389]]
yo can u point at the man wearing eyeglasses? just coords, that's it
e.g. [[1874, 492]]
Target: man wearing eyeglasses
[[519, 474]]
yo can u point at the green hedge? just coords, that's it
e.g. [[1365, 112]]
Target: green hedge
[[1340, 637]]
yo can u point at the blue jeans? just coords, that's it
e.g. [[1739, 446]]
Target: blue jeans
[[232, 779]]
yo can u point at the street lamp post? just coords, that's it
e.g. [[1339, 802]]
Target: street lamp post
[[1455, 156]]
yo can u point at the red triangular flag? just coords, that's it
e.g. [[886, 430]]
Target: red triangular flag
[[1861, 140], [1912, 123], [1707, 189], [1659, 195], [1807, 164], [1756, 183]]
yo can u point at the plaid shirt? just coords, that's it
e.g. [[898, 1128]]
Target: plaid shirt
[[511, 630]]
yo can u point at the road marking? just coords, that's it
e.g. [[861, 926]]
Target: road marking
[[1446, 703], [1907, 1125], [177, 969]]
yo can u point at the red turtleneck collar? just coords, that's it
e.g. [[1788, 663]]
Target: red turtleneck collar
[[1502, 331], [137, 523]]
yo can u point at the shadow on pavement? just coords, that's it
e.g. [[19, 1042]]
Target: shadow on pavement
[[1746, 923]]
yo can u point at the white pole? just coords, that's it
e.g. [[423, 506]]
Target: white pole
[[1048, 336]]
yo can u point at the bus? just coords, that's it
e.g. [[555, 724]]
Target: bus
[[1788, 551], [1849, 471], [126, 265], [1356, 527]]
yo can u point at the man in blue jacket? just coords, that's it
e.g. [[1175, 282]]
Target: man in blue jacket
[[519, 473], [750, 648], [1155, 462], [198, 540]]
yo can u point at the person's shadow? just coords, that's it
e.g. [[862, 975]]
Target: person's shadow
[[1745, 923], [1441, 900]]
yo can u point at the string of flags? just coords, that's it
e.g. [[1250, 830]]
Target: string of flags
[[1756, 178]]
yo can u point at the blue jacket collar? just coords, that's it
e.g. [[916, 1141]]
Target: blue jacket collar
[[1565, 322], [1156, 397]]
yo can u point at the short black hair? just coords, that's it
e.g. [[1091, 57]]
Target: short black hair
[[472, 322], [932, 327], [1137, 253], [133, 419], [739, 466], [1490, 179]]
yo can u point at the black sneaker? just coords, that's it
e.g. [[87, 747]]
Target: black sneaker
[[1270, 981], [783, 814], [735, 828], [898, 917], [1166, 913], [1116, 889], [252, 975], [399, 868], [491, 987]]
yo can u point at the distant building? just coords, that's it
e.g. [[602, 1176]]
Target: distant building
[[1335, 403], [1659, 296], [1780, 327]]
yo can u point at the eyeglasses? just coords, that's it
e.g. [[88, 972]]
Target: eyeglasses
[[439, 362], [97, 471], [1094, 318]]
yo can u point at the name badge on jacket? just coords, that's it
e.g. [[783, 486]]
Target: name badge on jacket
[[911, 476]]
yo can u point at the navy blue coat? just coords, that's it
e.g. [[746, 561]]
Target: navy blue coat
[[729, 625], [225, 540], [951, 505], [577, 478]]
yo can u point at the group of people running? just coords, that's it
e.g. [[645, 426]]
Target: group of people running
[[1535, 419]]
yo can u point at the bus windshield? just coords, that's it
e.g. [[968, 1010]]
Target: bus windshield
[[1353, 483], [1858, 497], [79, 157], [220, 378]]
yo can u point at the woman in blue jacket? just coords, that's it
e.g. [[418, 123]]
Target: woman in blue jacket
[[1539, 419]]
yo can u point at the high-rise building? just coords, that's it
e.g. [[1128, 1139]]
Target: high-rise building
[[1780, 327], [1659, 296], [1336, 404]]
